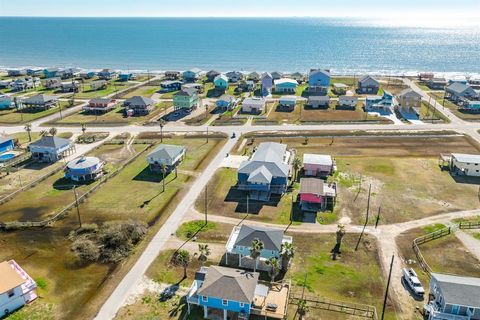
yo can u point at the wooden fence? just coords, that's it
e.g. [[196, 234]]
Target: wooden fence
[[437, 235], [316, 302]]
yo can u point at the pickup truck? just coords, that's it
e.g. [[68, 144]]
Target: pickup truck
[[411, 279]]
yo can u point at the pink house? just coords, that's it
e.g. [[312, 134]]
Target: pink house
[[100, 104], [318, 165], [315, 194]]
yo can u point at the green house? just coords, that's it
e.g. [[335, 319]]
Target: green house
[[185, 100]]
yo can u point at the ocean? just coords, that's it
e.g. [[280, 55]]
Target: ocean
[[343, 45]]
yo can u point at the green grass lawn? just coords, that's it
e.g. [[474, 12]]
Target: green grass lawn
[[427, 112], [112, 87], [144, 91], [114, 117], [168, 95], [349, 81], [23, 116], [212, 232]]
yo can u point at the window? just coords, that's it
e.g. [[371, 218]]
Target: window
[[225, 302], [242, 304], [11, 293], [455, 309], [204, 298]]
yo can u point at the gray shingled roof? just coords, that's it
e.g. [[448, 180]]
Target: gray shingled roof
[[51, 142], [464, 291], [260, 175], [139, 101], [271, 238], [368, 78], [186, 92], [39, 99], [270, 156], [228, 283], [166, 151], [458, 87], [409, 92]]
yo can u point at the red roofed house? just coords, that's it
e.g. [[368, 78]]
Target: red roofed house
[[316, 195]]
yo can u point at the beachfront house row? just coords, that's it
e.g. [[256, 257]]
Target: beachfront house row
[[253, 105], [84, 169], [17, 288], [100, 105], [211, 75], [318, 165], [107, 74], [267, 83], [172, 75], [318, 101], [185, 100], [437, 83], [234, 76], [226, 102], [382, 103], [98, 85], [285, 85], [240, 241], [138, 106], [170, 85], [166, 155], [368, 84], [287, 102], [51, 148], [318, 81], [191, 75], [458, 91], [221, 82], [40, 101], [266, 172], [409, 100], [315, 194], [453, 297], [349, 102]]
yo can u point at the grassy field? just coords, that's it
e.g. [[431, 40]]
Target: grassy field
[[444, 255], [114, 117], [113, 86], [24, 116], [428, 113], [454, 108], [144, 91], [338, 115], [280, 114], [72, 287], [387, 163]]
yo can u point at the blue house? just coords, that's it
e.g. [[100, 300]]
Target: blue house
[[6, 144], [170, 85], [318, 81], [221, 82], [126, 76], [6, 103], [226, 101], [191, 75], [379, 103], [285, 85], [266, 172], [50, 72], [225, 292], [240, 243]]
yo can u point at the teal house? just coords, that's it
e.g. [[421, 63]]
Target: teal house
[[126, 76], [50, 72], [185, 100], [221, 82]]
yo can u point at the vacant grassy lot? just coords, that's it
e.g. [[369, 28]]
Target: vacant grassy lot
[[113, 117], [429, 113], [113, 87], [338, 115], [281, 114], [144, 91], [386, 163], [438, 95], [27, 115], [444, 255]]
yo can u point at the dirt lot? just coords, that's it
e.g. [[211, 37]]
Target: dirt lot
[[338, 115]]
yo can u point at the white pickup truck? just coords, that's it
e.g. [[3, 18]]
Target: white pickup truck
[[411, 279]]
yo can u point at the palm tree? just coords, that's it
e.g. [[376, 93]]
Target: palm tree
[[274, 268], [84, 127], [339, 236], [28, 128], [306, 140], [52, 131], [183, 259], [161, 123], [163, 169], [204, 250], [43, 133], [287, 252], [255, 251], [297, 164], [302, 308]]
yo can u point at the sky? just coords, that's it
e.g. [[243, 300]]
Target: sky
[[408, 9]]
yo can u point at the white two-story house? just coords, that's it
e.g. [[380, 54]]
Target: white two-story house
[[16, 287]]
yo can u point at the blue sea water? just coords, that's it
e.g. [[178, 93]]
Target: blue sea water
[[284, 44]]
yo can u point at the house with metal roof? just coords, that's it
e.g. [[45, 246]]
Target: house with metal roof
[[318, 165], [84, 169], [17, 288], [138, 106], [51, 148], [70, 86], [221, 82], [185, 100], [347, 102], [226, 102], [288, 102], [40, 101], [318, 102], [197, 87], [318, 81], [368, 84], [453, 297], [239, 244], [285, 85], [266, 172], [315, 194], [462, 164], [458, 91], [253, 105], [166, 154]]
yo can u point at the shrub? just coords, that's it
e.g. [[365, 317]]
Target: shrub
[[86, 249]]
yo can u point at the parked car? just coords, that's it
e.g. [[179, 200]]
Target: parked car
[[411, 279]]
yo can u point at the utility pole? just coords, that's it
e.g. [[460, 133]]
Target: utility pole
[[378, 218], [366, 219], [206, 204], [76, 204], [388, 286], [207, 134], [291, 210]]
